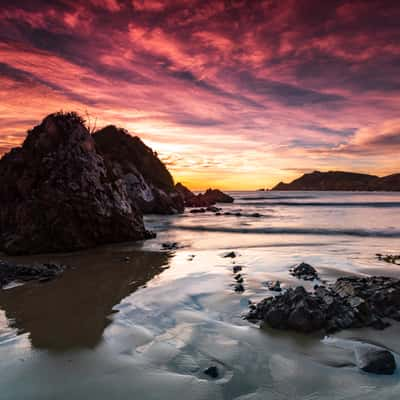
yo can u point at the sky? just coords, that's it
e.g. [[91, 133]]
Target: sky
[[232, 94]]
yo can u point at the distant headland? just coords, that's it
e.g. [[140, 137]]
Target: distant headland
[[342, 181]]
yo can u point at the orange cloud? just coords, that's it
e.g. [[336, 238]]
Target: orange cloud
[[222, 90]]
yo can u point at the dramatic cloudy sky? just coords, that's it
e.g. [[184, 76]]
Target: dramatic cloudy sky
[[234, 93]]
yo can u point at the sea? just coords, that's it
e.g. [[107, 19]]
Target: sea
[[138, 321]]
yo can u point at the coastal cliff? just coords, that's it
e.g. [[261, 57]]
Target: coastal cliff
[[337, 180], [63, 189]]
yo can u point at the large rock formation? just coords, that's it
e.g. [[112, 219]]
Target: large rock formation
[[146, 179], [207, 199], [337, 180], [57, 194]]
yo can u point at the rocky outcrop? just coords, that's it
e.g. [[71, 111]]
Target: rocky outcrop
[[186, 194], [216, 196], [11, 272], [57, 193], [350, 303], [304, 271], [337, 180], [147, 181], [207, 199]]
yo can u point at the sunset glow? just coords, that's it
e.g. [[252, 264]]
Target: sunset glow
[[233, 94]]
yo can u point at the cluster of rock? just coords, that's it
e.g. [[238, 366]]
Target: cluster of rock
[[238, 277], [207, 199], [351, 302], [218, 212], [389, 258], [11, 272], [203, 210]]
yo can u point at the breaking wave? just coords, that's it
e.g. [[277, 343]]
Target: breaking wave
[[392, 204], [295, 231]]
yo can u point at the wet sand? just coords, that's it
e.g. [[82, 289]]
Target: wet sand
[[73, 311], [146, 328]]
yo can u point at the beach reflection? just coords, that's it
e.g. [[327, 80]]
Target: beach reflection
[[73, 311]]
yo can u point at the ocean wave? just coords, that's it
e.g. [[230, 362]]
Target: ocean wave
[[392, 204], [295, 231], [275, 197]]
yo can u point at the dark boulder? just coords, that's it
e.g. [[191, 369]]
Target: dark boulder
[[239, 288], [207, 199], [304, 271], [212, 371], [147, 181], [186, 194], [375, 360], [238, 278], [216, 196], [57, 194]]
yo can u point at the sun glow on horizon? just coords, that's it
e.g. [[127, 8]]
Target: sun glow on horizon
[[298, 92]]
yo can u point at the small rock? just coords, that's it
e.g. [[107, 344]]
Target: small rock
[[236, 269], [389, 258], [212, 372], [304, 271], [375, 360], [238, 278], [127, 258], [231, 254], [170, 245], [255, 215], [213, 209], [239, 287], [274, 286], [198, 210]]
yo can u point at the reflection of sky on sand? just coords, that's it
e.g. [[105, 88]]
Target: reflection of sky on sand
[[157, 331]]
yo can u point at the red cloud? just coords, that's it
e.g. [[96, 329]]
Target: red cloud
[[291, 79]]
